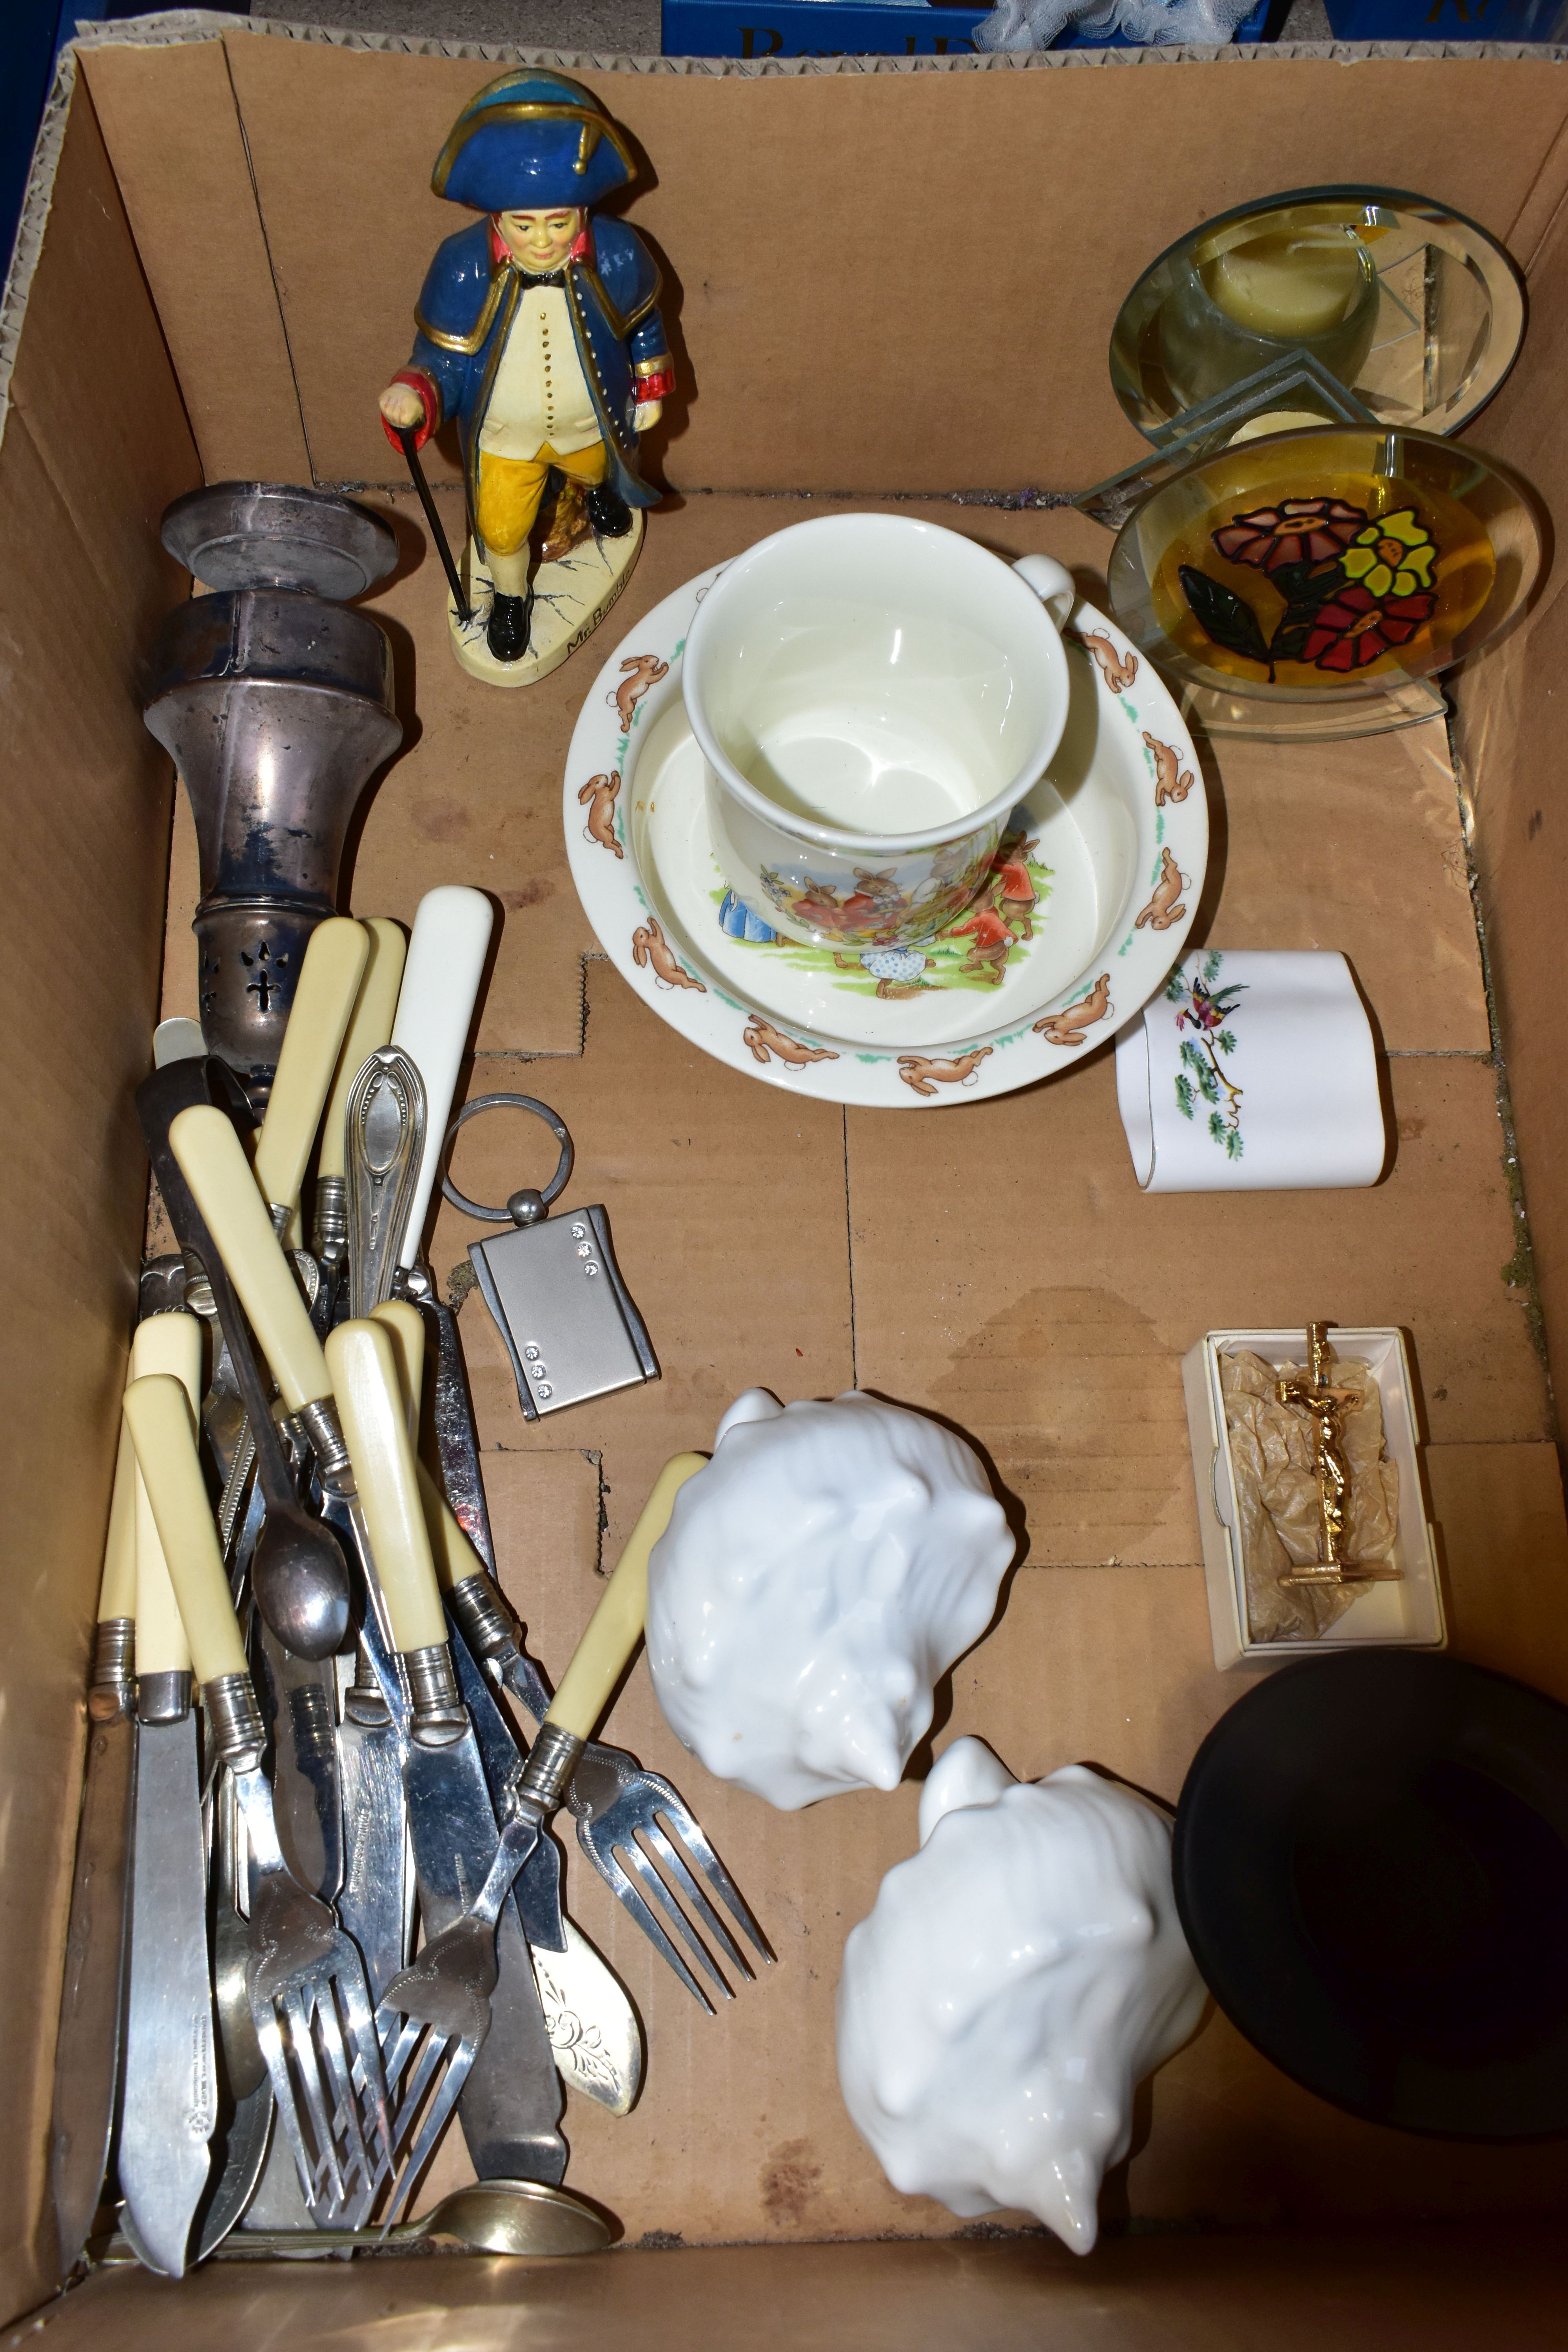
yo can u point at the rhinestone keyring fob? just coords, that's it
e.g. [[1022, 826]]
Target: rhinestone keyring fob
[[552, 1285]]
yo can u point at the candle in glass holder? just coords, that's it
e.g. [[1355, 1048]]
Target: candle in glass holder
[[1288, 285]]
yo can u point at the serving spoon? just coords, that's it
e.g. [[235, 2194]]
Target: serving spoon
[[489, 2217]]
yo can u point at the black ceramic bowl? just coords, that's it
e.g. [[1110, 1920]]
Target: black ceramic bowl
[[1372, 1868]]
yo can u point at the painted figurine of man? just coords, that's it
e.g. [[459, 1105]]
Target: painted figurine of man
[[538, 327]]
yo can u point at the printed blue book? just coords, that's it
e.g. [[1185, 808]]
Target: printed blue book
[[848, 28]]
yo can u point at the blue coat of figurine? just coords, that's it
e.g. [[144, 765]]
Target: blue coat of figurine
[[466, 310]]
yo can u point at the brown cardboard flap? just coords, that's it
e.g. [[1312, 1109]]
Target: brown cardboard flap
[[827, 338], [169, 118], [1498, 1509], [1031, 1293], [1508, 730], [95, 444], [1444, 2290]]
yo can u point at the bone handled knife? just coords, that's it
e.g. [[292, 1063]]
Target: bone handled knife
[[402, 1320], [172, 1085], [170, 2098], [319, 1017], [373, 1903], [510, 2104], [212, 1160], [88, 2053], [588, 2014], [370, 1027], [592, 2025], [435, 1010], [475, 1600]]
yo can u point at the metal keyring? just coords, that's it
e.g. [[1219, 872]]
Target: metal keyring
[[526, 1207]]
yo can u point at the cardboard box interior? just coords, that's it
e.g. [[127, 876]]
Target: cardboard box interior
[[237, 231]]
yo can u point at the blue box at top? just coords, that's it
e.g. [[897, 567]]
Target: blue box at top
[[1446, 20], [859, 28]]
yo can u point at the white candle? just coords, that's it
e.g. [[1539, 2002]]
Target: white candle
[[1286, 285]]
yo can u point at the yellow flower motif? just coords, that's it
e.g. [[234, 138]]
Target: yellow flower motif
[[1394, 554]]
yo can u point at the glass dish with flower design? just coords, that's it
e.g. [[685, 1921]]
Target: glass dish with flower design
[[1332, 564]]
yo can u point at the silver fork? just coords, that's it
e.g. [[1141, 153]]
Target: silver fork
[[305, 1979], [443, 2000], [612, 1798]]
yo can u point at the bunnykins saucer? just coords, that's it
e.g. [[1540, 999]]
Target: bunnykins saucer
[[1086, 906]]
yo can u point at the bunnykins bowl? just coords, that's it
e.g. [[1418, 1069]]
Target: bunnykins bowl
[[1016, 1980], [1086, 904], [816, 1578]]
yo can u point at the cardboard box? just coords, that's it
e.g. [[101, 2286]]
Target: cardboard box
[[1403, 1615], [227, 235]]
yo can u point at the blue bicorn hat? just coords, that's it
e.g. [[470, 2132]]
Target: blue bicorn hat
[[528, 142]]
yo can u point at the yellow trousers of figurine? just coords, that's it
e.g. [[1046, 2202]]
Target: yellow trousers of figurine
[[511, 487]]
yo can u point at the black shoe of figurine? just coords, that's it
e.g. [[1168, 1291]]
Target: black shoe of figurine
[[506, 633], [608, 512]]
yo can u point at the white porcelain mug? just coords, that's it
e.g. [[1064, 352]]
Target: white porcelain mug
[[872, 695]]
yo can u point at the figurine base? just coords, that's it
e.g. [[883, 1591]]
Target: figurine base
[[570, 597]]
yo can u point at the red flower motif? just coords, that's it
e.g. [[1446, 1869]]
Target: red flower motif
[[1354, 627], [1300, 530]]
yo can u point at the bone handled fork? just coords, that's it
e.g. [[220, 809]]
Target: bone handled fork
[[448, 1988], [305, 1979], [615, 1801]]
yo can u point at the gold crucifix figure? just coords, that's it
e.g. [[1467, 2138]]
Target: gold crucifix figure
[[1326, 1406]]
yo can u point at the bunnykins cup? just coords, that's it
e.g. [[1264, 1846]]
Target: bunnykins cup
[[872, 696]]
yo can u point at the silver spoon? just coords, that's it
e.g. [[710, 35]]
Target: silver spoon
[[491, 2217], [297, 1572]]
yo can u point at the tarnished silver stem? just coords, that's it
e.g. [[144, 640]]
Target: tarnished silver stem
[[486, 1629], [438, 1715], [330, 1231], [551, 1761], [237, 1730], [114, 1688], [322, 1426]]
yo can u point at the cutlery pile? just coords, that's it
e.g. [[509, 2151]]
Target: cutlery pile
[[317, 1900]]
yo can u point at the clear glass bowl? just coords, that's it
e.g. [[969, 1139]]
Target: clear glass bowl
[[1415, 308]]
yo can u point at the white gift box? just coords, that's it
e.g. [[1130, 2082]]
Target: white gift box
[[1407, 1615]]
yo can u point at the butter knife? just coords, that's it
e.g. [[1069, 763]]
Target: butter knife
[[86, 2055], [170, 2094], [447, 952]]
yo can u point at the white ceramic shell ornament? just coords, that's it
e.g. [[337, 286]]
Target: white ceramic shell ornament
[[1016, 1980], [817, 1579]]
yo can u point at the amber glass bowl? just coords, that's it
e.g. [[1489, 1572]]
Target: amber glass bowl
[[1327, 564]]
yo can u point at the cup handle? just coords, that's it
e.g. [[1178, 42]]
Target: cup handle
[[1052, 583]]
